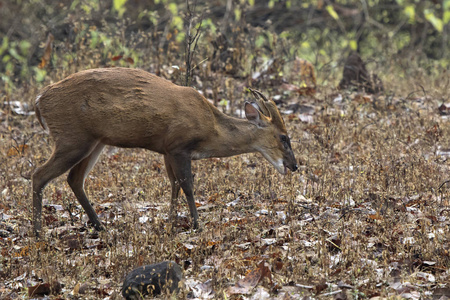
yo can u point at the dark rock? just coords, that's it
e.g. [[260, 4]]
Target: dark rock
[[42, 289], [355, 74], [152, 280]]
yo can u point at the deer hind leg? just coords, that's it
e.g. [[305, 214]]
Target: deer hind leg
[[76, 178], [175, 192], [63, 158]]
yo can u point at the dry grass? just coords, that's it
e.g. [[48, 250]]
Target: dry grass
[[367, 213]]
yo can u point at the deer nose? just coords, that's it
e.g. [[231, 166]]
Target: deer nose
[[292, 167]]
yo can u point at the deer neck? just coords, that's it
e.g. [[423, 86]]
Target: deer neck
[[232, 136]]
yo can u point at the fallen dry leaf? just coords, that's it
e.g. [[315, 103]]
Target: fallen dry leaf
[[15, 151], [47, 51], [246, 285]]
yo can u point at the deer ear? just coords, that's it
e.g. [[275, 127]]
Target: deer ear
[[253, 115]]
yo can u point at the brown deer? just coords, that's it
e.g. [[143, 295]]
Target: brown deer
[[132, 108]]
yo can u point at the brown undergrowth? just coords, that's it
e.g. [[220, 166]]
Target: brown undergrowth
[[366, 215]]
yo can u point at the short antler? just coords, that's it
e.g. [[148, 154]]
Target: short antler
[[258, 94], [269, 109], [261, 101]]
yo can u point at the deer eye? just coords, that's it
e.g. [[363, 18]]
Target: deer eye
[[285, 141]]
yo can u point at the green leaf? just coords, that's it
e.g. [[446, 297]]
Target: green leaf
[[446, 5], [305, 45], [285, 34], [24, 47], [6, 58], [39, 74], [410, 12], [260, 40], [237, 14], [142, 14], [5, 45], [223, 102], [251, 2], [94, 39], [173, 8], [446, 17], [269, 38], [208, 23], [24, 71], [288, 4], [119, 6], [177, 22], [106, 41], [353, 45], [74, 4], [436, 22], [332, 12], [5, 78], [9, 67], [86, 8], [14, 54], [180, 37]]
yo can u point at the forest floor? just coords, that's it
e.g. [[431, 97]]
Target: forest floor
[[366, 216]]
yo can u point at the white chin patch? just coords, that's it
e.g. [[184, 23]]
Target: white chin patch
[[278, 164], [281, 168]]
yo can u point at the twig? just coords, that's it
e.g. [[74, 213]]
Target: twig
[[191, 40], [423, 89], [442, 184], [199, 63]]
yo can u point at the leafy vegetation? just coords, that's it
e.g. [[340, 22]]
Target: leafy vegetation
[[366, 216]]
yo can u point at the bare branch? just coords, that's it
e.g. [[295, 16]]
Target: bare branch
[[191, 40]]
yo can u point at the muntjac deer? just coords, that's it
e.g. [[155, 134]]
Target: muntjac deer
[[132, 108]]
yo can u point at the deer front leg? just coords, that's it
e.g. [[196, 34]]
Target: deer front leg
[[175, 192], [180, 166]]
